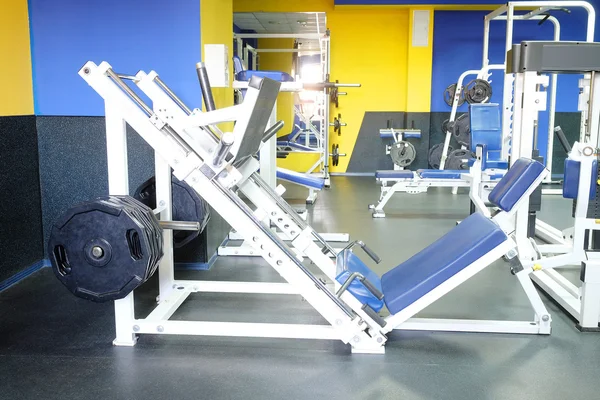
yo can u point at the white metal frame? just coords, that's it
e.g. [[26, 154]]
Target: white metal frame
[[182, 144]]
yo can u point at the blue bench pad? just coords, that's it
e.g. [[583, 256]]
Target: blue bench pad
[[347, 263], [245, 76], [516, 182], [441, 174], [299, 178], [467, 242], [394, 174]]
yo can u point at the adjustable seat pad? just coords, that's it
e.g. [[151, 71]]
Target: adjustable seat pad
[[467, 242], [441, 174], [515, 183], [299, 178], [275, 75], [394, 174], [346, 263]]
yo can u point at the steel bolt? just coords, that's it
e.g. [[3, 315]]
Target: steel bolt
[[255, 238], [97, 251], [379, 340], [356, 339], [545, 318], [162, 203], [279, 262], [136, 328], [286, 226], [160, 328]]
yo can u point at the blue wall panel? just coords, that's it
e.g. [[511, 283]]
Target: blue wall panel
[[131, 35], [458, 46]]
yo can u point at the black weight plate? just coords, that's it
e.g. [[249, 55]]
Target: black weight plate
[[123, 239], [403, 153], [461, 130], [478, 91], [187, 206], [435, 155], [449, 95], [458, 160]]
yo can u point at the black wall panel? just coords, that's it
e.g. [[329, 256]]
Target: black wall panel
[[74, 169], [20, 215]]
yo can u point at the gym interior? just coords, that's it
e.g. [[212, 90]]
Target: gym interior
[[262, 199]]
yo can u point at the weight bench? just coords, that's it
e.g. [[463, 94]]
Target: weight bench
[[486, 138], [471, 246], [298, 178]]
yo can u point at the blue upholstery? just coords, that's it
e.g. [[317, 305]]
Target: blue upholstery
[[244, 75], [466, 243], [278, 76], [299, 178], [515, 183], [347, 263], [405, 135], [486, 129], [571, 182], [394, 174], [440, 174]]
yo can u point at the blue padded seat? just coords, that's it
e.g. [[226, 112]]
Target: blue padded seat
[[394, 174], [441, 174], [347, 263], [299, 178], [278, 76], [516, 182], [474, 237], [571, 182]]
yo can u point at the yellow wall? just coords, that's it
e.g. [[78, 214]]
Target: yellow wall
[[216, 27], [370, 45], [16, 88]]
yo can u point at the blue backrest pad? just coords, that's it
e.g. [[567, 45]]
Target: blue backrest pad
[[571, 181], [486, 128], [515, 183]]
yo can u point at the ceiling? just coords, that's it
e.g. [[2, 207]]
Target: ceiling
[[281, 22]]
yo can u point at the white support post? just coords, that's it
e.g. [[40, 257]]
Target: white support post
[[590, 295], [118, 184], [164, 202], [268, 155]]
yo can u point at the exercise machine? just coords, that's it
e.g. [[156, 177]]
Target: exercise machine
[[219, 166], [479, 177], [530, 62]]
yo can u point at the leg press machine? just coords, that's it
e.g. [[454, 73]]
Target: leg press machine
[[219, 166]]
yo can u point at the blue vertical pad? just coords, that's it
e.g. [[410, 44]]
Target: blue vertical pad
[[571, 182]]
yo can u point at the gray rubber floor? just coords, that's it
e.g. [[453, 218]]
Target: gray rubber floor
[[55, 346]]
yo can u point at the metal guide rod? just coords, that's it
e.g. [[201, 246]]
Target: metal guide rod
[[211, 129], [223, 147], [180, 225], [242, 206], [273, 130], [209, 101], [172, 95], [127, 77], [588, 130], [166, 128]]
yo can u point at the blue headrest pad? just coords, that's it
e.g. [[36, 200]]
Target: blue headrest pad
[[515, 183], [571, 182]]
